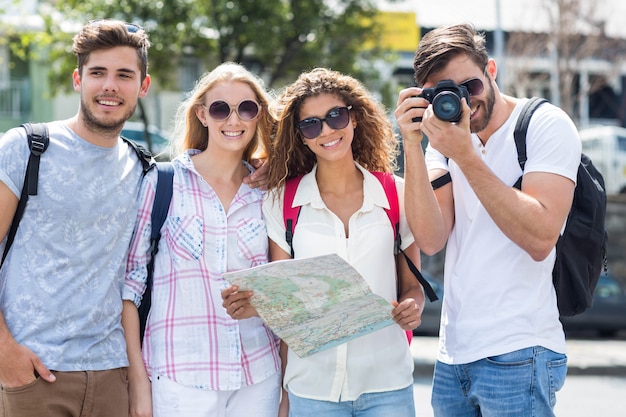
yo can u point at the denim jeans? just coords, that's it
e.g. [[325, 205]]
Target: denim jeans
[[520, 383], [377, 404]]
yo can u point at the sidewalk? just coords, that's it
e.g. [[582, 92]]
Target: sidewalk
[[585, 357]]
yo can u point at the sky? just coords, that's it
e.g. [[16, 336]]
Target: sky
[[529, 15]]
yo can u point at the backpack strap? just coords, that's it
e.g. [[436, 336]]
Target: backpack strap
[[162, 200], [38, 141], [160, 208], [393, 212], [389, 185], [144, 156], [291, 214], [519, 134]]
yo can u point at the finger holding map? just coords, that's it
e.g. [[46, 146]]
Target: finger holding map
[[237, 303]]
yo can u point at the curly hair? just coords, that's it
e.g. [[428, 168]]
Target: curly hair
[[189, 133], [374, 146]]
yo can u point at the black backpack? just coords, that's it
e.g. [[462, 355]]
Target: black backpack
[[581, 249]]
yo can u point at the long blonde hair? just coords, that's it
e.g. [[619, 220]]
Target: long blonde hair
[[189, 133], [374, 146]]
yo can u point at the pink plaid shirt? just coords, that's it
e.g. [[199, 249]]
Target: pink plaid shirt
[[189, 336]]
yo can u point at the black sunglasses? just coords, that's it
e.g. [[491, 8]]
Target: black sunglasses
[[130, 27], [336, 118], [246, 110], [474, 86]]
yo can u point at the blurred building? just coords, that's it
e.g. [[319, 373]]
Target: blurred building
[[575, 57]]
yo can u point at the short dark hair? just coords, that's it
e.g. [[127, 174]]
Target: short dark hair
[[108, 33], [441, 45]]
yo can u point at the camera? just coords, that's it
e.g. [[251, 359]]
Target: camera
[[446, 99]]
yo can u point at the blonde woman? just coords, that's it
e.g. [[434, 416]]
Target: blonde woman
[[199, 360]]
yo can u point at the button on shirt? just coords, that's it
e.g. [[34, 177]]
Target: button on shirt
[[189, 336], [379, 361]]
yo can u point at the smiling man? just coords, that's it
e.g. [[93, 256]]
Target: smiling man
[[60, 301], [502, 347]]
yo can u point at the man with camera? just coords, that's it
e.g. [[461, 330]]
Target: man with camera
[[501, 345]]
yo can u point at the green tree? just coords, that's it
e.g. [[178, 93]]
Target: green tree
[[276, 38]]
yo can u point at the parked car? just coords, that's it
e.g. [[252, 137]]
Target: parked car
[[606, 146], [607, 314], [136, 132], [431, 316]]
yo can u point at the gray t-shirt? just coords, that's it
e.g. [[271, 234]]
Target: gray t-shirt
[[61, 284]]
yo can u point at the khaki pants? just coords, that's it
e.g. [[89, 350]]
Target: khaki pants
[[75, 394]]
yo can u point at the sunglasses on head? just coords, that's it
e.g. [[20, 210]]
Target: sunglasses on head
[[336, 118], [130, 27], [246, 110], [474, 86]]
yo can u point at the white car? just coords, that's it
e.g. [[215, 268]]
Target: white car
[[606, 146]]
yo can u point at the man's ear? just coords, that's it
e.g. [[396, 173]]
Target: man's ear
[[145, 86], [76, 80], [491, 69]]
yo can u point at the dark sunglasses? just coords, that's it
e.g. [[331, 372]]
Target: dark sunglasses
[[474, 86], [336, 118], [130, 27], [246, 110]]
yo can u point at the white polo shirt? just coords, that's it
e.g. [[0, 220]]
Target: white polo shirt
[[380, 361]]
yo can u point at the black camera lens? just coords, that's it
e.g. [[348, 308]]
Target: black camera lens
[[447, 106], [446, 98]]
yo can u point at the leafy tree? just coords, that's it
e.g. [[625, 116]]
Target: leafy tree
[[276, 38]]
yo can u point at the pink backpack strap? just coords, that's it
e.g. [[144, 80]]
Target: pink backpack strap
[[290, 214], [393, 212]]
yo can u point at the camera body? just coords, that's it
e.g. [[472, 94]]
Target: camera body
[[446, 99]]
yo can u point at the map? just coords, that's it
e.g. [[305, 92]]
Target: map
[[313, 304]]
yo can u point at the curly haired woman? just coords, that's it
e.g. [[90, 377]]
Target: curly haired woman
[[333, 132]]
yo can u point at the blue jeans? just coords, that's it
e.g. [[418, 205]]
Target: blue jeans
[[377, 404], [519, 383]]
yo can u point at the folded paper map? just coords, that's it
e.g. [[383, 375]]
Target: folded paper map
[[315, 303]]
